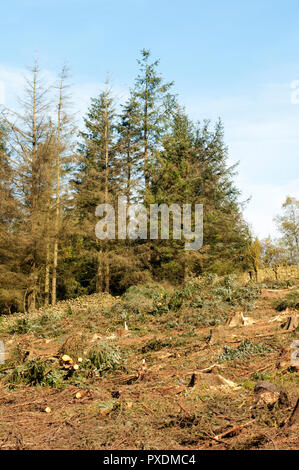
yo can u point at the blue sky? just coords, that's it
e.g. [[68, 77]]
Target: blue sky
[[229, 58]]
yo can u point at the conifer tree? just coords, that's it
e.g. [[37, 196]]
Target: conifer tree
[[155, 105], [128, 148], [96, 181], [171, 184], [31, 141], [12, 280], [65, 131], [225, 232]]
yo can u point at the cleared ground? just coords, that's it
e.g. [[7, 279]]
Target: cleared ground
[[177, 378]]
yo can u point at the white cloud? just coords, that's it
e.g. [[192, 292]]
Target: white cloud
[[12, 80], [262, 131], [265, 204]]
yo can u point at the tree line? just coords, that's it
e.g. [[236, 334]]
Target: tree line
[[52, 177]]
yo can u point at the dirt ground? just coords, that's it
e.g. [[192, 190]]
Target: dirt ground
[[172, 393]]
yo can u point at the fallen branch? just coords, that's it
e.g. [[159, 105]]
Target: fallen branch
[[6, 368], [184, 409], [293, 416], [147, 409], [234, 430], [210, 368], [272, 334]]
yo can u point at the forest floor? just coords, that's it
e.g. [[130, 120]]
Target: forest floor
[[170, 381]]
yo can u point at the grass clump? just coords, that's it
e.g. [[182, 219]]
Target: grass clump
[[44, 326], [36, 372], [155, 344], [21, 326], [47, 325], [145, 299], [103, 357], [244, 351], [212, 318], [291, 300], [74, 345]]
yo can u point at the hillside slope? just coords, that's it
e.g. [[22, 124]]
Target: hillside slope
[[156, 368]]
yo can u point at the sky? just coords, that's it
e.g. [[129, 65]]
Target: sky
[[230, 59]]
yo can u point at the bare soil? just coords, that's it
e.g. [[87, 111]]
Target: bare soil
[[153, 402]]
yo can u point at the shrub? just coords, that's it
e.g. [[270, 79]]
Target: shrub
[[20, 326], [154, 345], [212, 318], [103, 357], [246, 349], [36, 372], [290, 300], [141, 299], [74, 346]]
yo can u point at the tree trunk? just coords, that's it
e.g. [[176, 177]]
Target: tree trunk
[[57, 209], [99, 281], [106, 268], [47, 275]]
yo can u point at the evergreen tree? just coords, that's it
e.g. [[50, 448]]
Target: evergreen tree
[[225, 231], [171, 184], [253, 257], [32, 146], [96, 183], [12, 280], [64, 154], [193, 170], [155, 105], [129, 148]]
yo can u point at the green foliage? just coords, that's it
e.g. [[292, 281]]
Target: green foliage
[[259, 376], [269, 283], [291, 300], [36, 372], [44, 325], [103, 357], [245, 350], [151, 152], [150, 298], [212, 318], [252, 257], [160, 304], [74, 346], [213, 297], [154, 344], [288, 225], [20, 326], [100, 358]]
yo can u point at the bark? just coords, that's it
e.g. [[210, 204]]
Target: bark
[[57, 209]]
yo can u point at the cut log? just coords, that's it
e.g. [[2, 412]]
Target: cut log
[[269, 394], [234, 430], [240, 320], [291, 323]]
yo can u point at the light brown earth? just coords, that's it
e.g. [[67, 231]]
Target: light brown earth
[[149, 403]]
